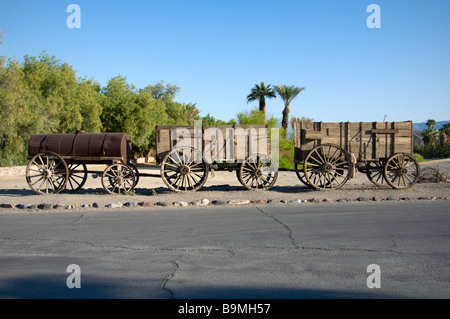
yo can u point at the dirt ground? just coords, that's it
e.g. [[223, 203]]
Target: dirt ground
[[223, 186]]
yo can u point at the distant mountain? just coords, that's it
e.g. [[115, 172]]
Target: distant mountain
[[423, 126]]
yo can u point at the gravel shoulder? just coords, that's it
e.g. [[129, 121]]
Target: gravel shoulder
[[221, 188]]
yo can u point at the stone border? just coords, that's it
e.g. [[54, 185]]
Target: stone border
[[205, 202]]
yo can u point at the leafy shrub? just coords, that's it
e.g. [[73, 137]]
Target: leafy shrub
[[433, 151]]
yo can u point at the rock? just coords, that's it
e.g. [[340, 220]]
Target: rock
[[239, 202], [180, 204], [164, 204], [95, 205], [272, 201], [328, 200], [203, 202], [45, 206], [130, 204], [114, 205], [363, 199], [344, 200], [219, 202], [7, 205], [147, 204], [23, 206], [58, 206], [85, 205], [391, 198], [259, 201], [376, 199]]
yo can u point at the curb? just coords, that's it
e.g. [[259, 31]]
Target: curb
[[205, 202]]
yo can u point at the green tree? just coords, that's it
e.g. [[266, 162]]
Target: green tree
[[260, 92], [22, 114], [430, 135], [287, 94], [163, 92], [431, 124], [444, 132]]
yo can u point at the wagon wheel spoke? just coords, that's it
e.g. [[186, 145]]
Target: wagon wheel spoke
[[77, 177]]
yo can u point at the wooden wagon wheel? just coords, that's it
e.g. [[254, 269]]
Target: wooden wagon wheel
[[47, 173], [136, 173], [118, 178], [301, 174], [77, 177], [327, 166], [258, 172], [375, 173], [401, 171], [184, 169]]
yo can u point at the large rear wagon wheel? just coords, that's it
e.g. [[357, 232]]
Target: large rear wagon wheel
[[258, 172], [184, 169], [47, 173], [327, 166], [402, 171]]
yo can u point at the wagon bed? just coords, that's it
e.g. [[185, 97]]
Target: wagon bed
[[327, 155]]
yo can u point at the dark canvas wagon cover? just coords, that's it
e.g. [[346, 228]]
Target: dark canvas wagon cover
[[83, 147]]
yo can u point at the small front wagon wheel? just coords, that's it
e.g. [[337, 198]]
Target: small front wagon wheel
[[118, 178], [47, 173], [401, 171]]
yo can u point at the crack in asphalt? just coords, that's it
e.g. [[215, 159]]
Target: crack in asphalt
[[76, 220], [282, 224], [166, 280]]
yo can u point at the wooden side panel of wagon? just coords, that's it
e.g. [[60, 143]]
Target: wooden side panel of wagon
[[365, 140], [244, 140]]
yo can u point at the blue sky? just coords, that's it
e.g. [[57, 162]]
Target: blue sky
[[217, 50]]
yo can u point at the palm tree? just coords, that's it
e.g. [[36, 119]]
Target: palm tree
[[261, 92], [287, 94], [431, 124]]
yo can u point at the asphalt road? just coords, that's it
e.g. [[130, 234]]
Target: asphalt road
[[304, 251]]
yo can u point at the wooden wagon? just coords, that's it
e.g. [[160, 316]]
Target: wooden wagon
[[188, 153], [327, 155], [58, 161]]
